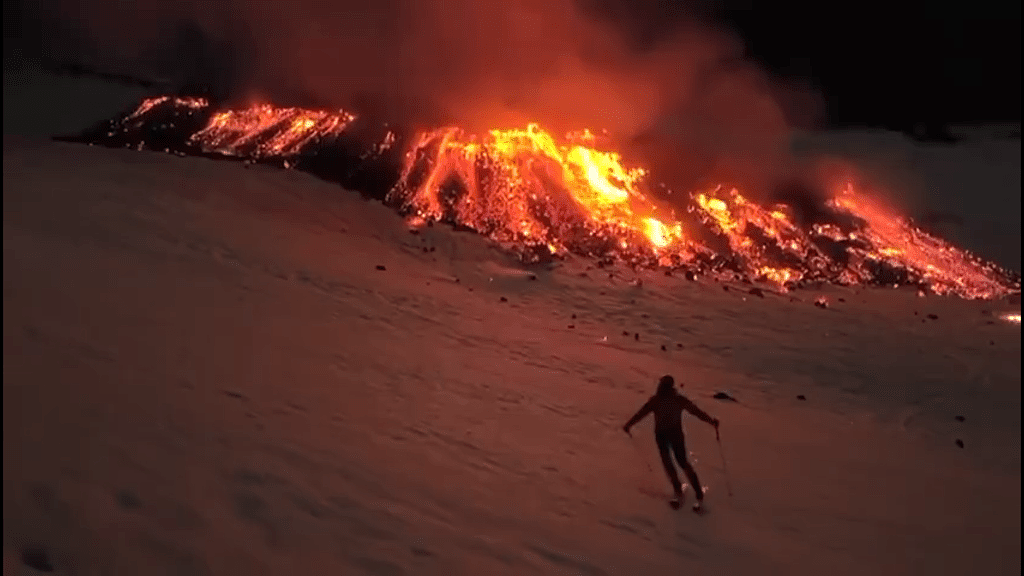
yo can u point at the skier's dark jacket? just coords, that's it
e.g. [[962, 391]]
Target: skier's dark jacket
[[668, 407]]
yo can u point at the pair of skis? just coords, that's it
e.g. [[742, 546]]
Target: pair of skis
[[677, 502], [698, 508]]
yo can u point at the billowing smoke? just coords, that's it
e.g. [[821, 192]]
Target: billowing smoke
[[670, 86]]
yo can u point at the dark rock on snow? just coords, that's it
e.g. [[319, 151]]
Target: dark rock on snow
[[36, 558]]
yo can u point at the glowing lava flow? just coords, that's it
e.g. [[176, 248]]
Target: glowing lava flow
[[523, 187], [265, 131], [889, 238], [541, 196]]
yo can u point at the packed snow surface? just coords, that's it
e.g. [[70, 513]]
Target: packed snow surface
[[214, 368]]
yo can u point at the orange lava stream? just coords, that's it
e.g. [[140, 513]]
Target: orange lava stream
[[521, 185], [265, 131], [525, 186], [542, 195]]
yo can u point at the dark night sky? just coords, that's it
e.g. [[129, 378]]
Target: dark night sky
[[944, 62], [896, 64], [891, 63]]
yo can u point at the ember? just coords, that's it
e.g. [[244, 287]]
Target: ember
[[543, 196]]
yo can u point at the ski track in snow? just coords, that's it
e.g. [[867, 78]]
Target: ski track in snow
[[206, 373]]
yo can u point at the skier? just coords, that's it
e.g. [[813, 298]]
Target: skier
[[668, 405]]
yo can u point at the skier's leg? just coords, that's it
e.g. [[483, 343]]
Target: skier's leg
[[679, 447], [691, 475], [664, 448]]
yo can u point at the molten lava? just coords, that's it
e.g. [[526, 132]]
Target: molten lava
[[266, 131], [542, 196], [526, 189], [523, 188]]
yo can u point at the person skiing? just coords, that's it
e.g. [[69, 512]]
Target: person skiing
[[667, 404]]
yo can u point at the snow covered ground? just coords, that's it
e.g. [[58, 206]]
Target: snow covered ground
[[206, 372]]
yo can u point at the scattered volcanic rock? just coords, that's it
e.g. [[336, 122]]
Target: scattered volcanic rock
[[959, 442], [663, 348], [573, 316], [724, 397], [691, 276], [36, 557], [821, 302], [381, 267], [127, 499], [571, 326], [625, 333], [801, 397], [960, 418], [757, 292], [933, 317], [842, 299], [503, 299], [636, 336], [533, 277], [680, 346], [725, 288]]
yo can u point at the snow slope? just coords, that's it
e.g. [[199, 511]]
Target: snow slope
[[205, 372]]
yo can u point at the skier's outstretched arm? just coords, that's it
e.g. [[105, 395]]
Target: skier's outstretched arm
[[644, 411], [693, 409]]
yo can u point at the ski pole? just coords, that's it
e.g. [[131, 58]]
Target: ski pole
[[725, 467]]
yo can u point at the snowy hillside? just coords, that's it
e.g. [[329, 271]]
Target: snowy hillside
[[214, 368]]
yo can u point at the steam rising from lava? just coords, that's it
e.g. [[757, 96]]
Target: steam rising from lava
[[476, 64], [542, 196]]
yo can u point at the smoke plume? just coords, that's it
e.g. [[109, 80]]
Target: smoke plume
[[667, 82]]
